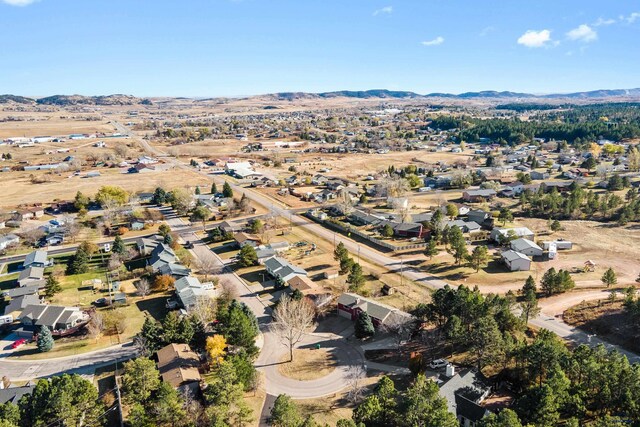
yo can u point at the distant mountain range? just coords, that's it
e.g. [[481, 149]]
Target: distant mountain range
[[66, 100], [63, 100], [488, 94]]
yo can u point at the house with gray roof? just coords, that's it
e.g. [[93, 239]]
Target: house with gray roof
[[464, 393], [189, 289], [31, 276], [527, 247], [350, 305], [516, 261], [57, 318], [37, 259], [282, 269]]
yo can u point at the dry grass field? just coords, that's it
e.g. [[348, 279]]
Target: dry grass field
[[308, 364], [58, 123]]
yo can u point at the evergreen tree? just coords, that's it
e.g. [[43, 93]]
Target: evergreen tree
[[364, 326], [529, 303], [609, 277], [227, 191], [340, 252], [247, 256], [458, 244], [479, 257], [45, 340], [159, 197], [140, 380], [356, 277], [168, 239], [387, 230], [118, 246], [285, 413], [52, 287], [432, 248], [197, 190], [425, 407], [214, 188], [79, 262]]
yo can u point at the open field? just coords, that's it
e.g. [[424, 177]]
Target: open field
[[18, 188], [54, 124]]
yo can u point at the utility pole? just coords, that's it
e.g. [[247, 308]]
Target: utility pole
[[358, 254], [404, 299]]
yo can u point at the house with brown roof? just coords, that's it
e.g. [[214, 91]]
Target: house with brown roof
[[243, 239], [178, 366]]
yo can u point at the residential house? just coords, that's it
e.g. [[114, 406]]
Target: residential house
[[14, 394], [164, 261], [527, 247], [282, 269], [319, 180], [302, 284], [350, 305], [31, 276], [229, 227], [498, 234], [469, 227], [178, 366], [539, 176], [37, 259], [481, 217], [24, 290], [516, 261], [19, 303], [60, 320], [464, 394], [478, 195], [189, 290], [244, 239]]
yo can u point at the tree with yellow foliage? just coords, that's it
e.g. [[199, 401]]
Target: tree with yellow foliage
[[216, 346]]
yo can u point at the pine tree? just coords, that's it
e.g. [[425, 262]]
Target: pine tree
[[609, 277], [364, 326], [356, 277], [214, 188], [45, 340], [197, 190], [432, 248], [118, 246], [52, 287], [226, 190], [79, 263]]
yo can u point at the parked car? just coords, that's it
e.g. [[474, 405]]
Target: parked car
[[18, 343], [438, 364], [188, 245], [101, 302]]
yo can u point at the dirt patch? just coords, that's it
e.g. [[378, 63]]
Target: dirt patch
[[308, 364], [609, 320]]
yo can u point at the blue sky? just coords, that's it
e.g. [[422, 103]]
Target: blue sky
[[244, 47]]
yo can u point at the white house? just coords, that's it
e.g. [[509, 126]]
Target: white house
[[516, 261], [523, 232]]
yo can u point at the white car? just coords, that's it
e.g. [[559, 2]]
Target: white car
[[438, 364]]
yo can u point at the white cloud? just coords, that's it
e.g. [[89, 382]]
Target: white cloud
[[633, 17], [386, 9], [583, 33], [485, 31], [603, 22], [533, 38], [19, 2], [435, 42]]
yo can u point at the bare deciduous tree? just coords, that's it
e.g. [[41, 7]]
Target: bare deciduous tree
[[207, 266], [290, 320], [400, 327], [204, 309], [344, 203], [32, 236], [96, 326], [143, 287], [355, 377]]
